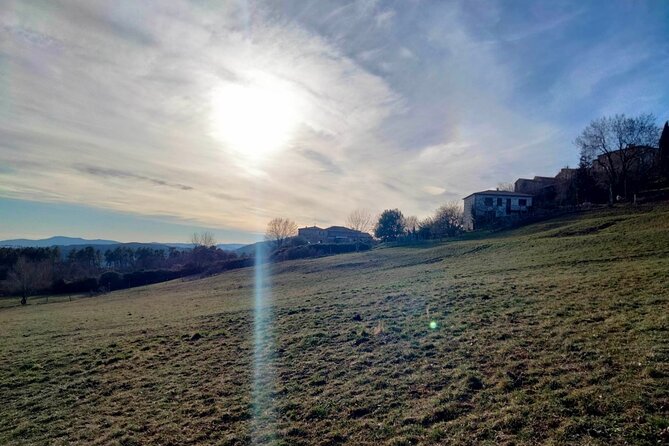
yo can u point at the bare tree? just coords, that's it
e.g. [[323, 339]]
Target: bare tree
[[447, 220], [506, 187], [411, 224], [279, 230], [360, 220], [27, 277], [615, 144], [204, 238]]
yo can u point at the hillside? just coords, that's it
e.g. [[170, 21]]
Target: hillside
[[555, 333]]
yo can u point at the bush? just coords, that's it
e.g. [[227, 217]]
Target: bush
[[219, 267], [111, 280], [293, 253], [317, 250], [296, 241], [140, 278], [86, 285]]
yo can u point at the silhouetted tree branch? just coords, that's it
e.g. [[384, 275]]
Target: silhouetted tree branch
[[360, 220]]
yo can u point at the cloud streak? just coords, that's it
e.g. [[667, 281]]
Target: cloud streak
[[115, 173]]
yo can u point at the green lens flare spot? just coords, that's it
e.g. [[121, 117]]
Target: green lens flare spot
[[433, 325]]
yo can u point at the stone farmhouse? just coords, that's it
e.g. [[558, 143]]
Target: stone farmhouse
[[333, 234], [489, 206]]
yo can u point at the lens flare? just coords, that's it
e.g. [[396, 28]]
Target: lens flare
[[264, 420], [433, 325]]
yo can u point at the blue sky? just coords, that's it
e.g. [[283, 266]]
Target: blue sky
[[148, 120], [34, 219]]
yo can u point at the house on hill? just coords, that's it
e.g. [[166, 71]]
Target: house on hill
[[333, 234], [494, 206], [534, 186], [549, 191]]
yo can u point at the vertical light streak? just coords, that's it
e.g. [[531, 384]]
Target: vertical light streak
[[263, 423]]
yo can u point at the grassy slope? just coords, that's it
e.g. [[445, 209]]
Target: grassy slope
[[556, 333]]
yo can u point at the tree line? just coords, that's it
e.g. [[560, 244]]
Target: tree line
[[390, 225], [445, 222], [28, 271]]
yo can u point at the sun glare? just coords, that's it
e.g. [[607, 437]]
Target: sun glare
[[256, 118]]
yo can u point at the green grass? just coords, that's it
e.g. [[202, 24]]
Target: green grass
[[555, 333]]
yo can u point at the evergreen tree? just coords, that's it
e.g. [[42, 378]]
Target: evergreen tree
[[585, 182], [664, 151], [390, 225]]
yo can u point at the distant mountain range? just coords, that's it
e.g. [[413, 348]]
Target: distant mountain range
[[54, 241], [103, 245]]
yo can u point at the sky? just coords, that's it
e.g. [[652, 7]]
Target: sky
[[146, 121]]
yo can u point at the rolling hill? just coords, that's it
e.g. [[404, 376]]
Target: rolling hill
[[556, 333]]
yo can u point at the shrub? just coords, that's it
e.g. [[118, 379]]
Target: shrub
[[317, 250], [227, 265], [111, 280], [297, 241], [139, 278], [86, 285]]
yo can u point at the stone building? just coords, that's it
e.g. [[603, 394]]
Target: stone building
[[534, 186], [493, 207], [333, 234]]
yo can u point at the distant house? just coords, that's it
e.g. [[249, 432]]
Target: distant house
[[493, 206], [565, 187], [543, 189], [333, 234], [565, 175], [312, 234]]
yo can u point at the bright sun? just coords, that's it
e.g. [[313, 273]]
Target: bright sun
[[256, 118]]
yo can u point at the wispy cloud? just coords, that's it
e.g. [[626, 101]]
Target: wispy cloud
[[403, 104], [121, 174]]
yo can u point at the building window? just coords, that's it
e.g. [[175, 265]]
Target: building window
[[522, 202], [499, 202], [487, 201]]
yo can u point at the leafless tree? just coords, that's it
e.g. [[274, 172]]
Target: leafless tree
[[609, 143], [447, 220], [279, 230], [205, 239], [506, 187], [360, 220], [411, 224], [27, 277]]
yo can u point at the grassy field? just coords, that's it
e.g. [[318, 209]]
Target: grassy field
[[555, 333]]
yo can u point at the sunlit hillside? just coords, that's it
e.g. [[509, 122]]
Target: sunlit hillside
[[555, 333]]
